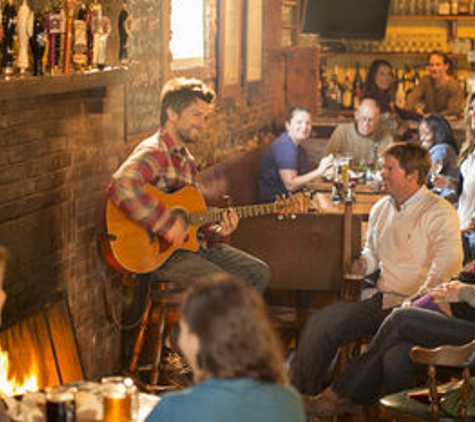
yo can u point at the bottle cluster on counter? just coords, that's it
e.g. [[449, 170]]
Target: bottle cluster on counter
[[64, 38], [432, 7], [341, 88]]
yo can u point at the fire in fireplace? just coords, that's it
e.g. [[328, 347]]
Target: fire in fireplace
[[40, 350]]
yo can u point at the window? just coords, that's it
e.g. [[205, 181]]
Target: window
[[187, 40]]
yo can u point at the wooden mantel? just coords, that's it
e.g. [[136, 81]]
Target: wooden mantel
[[15, 87]]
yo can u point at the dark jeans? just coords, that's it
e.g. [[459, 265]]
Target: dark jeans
[[328, 329], [385, 366]]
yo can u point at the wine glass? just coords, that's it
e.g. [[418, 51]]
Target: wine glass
[[435, 170]]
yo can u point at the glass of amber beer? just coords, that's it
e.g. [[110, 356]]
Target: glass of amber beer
[[119, 399]]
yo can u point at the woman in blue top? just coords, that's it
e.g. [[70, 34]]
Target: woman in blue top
[[436, 135], [236, 358]]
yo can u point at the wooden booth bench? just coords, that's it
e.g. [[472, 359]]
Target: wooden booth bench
[[304, 253]]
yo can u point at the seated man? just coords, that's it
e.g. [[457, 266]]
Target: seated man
[[365, 138], [385, 366], [439, 92], [279, 170], [164, 162], [412, 239]]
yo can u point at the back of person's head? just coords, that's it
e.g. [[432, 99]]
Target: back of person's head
[[411, 156], [236, 338], [295, 108], [443, 133], [370, 84], [179, 93]]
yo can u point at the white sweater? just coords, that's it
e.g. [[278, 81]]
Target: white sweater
[[466, 202], [415, 247]]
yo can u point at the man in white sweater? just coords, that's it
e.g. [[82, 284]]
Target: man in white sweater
[[413, 239]]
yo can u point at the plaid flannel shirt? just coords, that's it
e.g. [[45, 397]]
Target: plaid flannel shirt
[[160, 162]]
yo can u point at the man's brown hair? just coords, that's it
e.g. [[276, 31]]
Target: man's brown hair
[[411, 156], [236, 337], [179, 93]]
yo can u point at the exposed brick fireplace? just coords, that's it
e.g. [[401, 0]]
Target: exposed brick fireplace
[[60, 140]]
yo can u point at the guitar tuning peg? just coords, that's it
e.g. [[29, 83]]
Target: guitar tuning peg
[[280, 217], [293, 217]]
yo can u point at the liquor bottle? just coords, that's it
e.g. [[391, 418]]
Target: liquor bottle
[[357, 87], [400, 99], [464, 7], [347, 93], [408, 79], [323, 85], [454, 7], [444, 7], [334, 90]]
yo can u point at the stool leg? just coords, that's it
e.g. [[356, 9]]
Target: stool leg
[[157, 352], [140, 338]]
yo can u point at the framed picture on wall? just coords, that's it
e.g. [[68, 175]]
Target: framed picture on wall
[[253, 57], [230, 47]]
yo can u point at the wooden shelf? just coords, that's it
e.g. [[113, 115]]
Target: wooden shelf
[[383, 53], [31, 86], [432, 17]]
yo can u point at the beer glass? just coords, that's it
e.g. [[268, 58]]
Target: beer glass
[[120, 399], [60, 404]]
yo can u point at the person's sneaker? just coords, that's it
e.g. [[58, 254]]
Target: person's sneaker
[[327, 404]]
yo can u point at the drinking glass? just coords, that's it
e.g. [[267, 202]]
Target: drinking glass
[[120, 399]]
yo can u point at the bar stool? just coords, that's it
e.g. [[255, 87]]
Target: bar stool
[[164, 301]]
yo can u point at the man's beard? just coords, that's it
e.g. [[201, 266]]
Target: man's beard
[[186, 138]]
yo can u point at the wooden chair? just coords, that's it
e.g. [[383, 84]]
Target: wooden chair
[[401, 407]]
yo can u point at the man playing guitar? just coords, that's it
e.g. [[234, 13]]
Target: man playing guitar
[[163, 163]]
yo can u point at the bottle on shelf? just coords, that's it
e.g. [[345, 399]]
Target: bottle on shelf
[[357, 87], [347, 93], [454, 7], [400, 99], [444, 7], [334, 92], [464, 7], [323, 85]]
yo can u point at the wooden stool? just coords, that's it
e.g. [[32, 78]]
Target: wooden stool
[[164, 300]]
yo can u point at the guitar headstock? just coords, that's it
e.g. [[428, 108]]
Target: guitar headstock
[[298, 203]]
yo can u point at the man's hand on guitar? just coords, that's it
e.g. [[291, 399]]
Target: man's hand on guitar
[[177, 233], [229, 221]]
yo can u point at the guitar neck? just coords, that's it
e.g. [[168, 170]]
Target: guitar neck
[[246, 211]]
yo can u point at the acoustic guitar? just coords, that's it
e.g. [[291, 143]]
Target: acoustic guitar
[[131, 248]]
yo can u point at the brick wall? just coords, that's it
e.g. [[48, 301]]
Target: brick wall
[[60, 144], [62, 137]]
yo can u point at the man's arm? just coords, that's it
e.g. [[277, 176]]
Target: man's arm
[[127, 191], [445, 246], [455, 101]]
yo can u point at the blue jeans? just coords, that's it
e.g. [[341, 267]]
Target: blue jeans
[[468, 243], [185, 267], [325, 331], [385, 366]]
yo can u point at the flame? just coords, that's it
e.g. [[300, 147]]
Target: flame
[[10, 386]]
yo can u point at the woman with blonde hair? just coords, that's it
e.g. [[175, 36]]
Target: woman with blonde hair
[[236, 358], [466, 182]]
